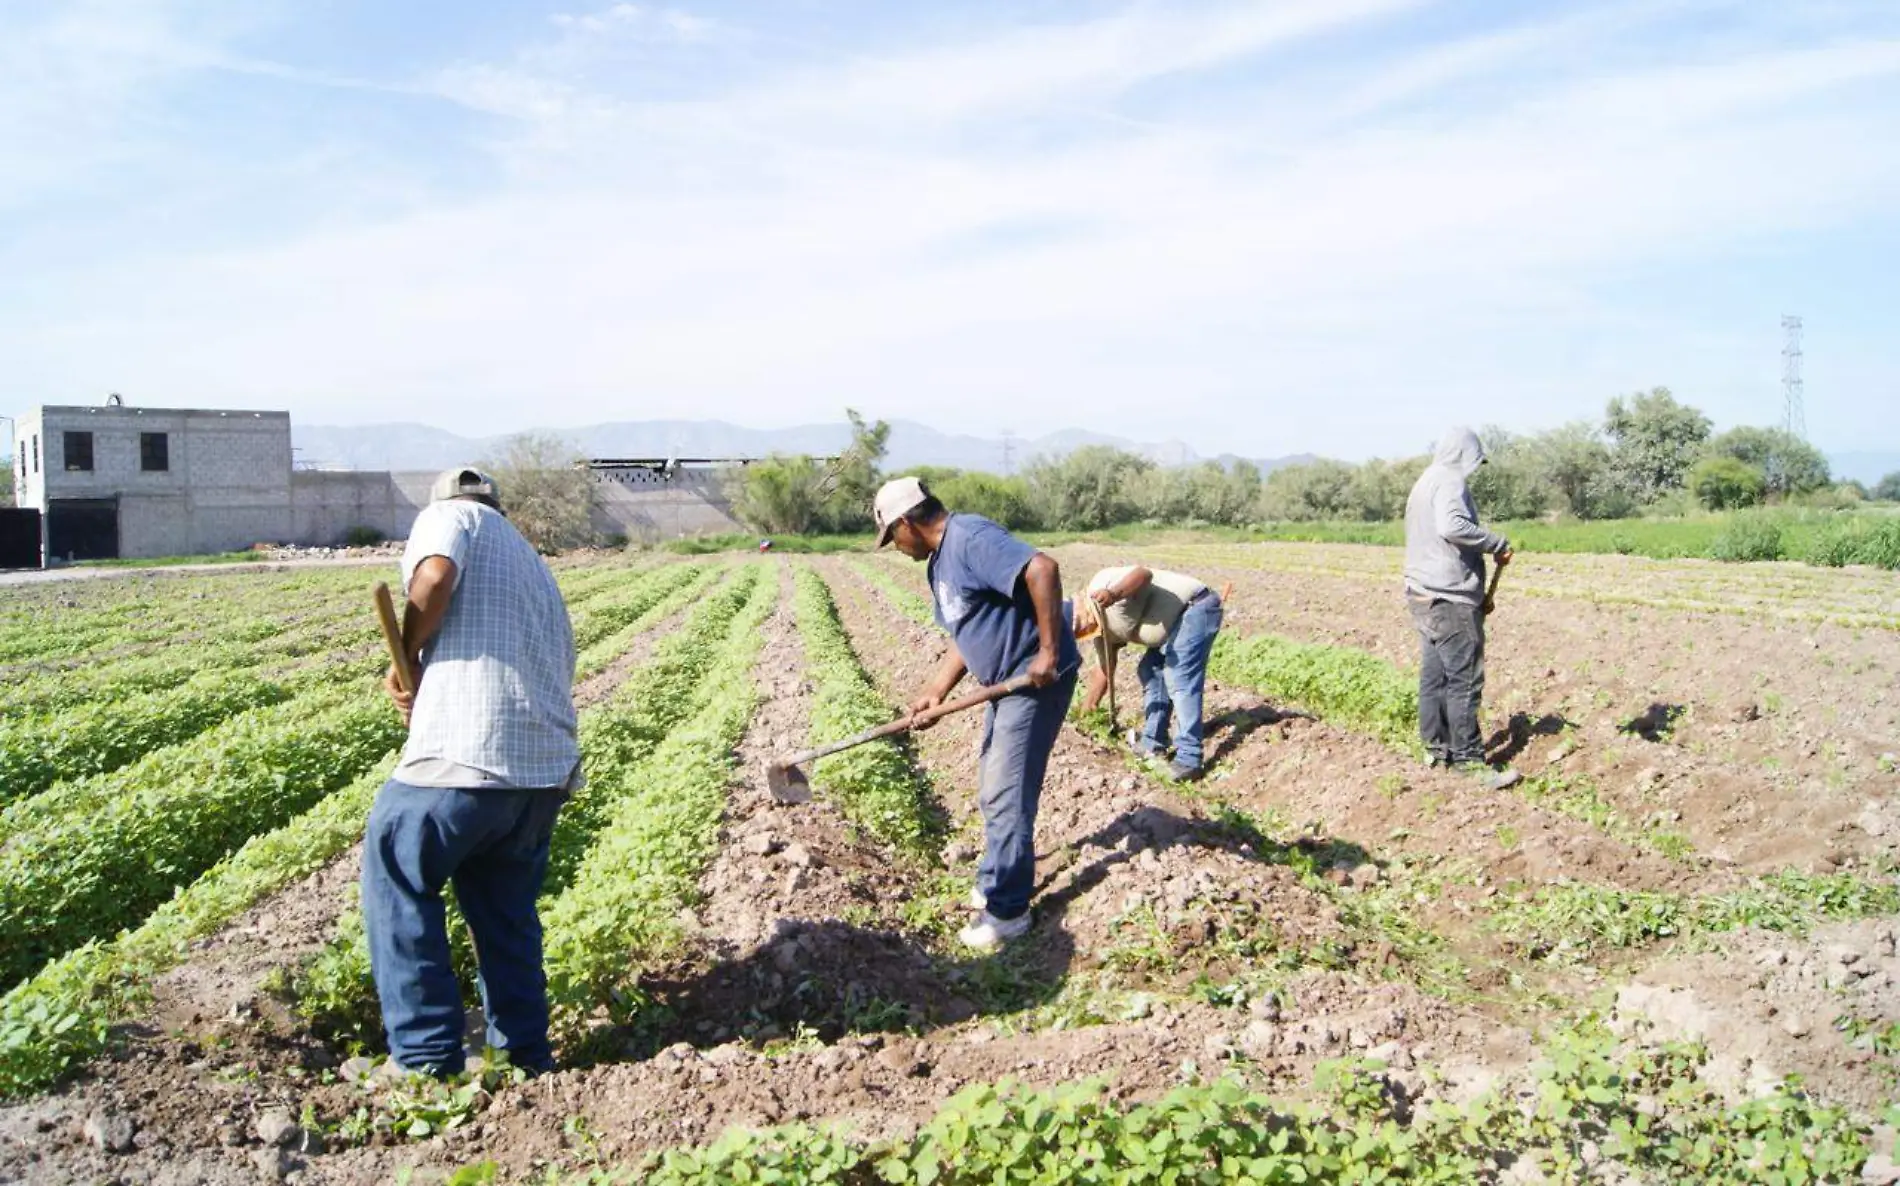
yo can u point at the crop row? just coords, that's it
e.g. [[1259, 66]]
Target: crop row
[[232, 612], [37, 751], [1338, 683], [64, 1014], [656, 826], [88, 857], [911, 604], [612, 609], [1589, 1111], [335, 989], [877, 786], [1568, 920], [679, 586], [235, 606]]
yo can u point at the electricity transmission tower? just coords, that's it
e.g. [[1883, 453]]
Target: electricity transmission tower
[[1797, 417], [1009, 452]]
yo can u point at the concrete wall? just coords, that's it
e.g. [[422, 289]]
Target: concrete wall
[[325, 505], [649, 508], [635, 502]]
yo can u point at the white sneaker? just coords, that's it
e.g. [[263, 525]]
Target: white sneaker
[[977, 900], [988, 932]]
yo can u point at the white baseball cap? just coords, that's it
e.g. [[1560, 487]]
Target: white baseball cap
[[454, 483], [895, 499]]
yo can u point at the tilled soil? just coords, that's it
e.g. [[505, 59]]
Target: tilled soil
[[821, 982], [1770, 743]]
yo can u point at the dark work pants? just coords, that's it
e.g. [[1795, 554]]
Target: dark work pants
[[1450, 679], [1018, 733], [492, 845]]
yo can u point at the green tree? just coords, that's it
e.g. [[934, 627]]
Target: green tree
[[1206, 492], [546, 490], [1654, 442], [999, 499], [851, 481], [1725, 483], [1379, 488], [1888, 488], [1511, 484], [778, 495], [1094, 487], [1575, 463], [1301, 493], [6, 481], [1788, 464]]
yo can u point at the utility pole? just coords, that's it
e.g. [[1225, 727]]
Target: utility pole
[[1791, 388], [1009, 453]]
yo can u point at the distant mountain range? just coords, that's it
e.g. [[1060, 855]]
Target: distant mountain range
[[421, 447]]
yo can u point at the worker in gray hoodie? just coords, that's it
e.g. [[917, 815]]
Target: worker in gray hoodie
[[1444, 585]]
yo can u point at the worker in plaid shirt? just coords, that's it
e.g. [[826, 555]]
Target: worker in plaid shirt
[[491, 757]]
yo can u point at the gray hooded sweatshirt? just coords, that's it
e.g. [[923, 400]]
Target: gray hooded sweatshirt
[[1444, 546]]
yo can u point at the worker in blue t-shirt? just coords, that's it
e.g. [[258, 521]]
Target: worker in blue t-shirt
[[1001, 602]]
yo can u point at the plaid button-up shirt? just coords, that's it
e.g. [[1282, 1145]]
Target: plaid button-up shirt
[[497, 687]]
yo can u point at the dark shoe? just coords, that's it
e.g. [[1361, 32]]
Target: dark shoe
[[1433, 761], [1177, 772]]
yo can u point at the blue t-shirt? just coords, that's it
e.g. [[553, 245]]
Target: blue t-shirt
[[981, 599]]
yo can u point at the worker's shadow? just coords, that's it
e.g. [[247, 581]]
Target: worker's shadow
[[1223, 734], [831, 979], [1511, 741]]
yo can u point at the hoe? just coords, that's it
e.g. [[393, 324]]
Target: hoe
[[392, 636], [788, 783]]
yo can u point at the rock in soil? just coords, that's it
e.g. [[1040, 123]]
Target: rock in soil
[[111, 1131]]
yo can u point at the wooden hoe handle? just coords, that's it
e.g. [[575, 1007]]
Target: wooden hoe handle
[[392, 637], [891, 728]]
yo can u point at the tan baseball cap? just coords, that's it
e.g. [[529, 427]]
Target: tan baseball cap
[[895, 499], [454, 483]]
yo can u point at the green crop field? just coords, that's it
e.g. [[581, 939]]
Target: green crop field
[[1667, 953]]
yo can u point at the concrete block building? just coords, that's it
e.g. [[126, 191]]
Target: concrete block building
[[116, 481], [142, 482]]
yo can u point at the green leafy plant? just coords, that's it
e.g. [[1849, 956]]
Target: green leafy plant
[[877, 785]]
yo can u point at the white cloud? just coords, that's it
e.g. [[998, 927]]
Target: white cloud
[[1287, 261]]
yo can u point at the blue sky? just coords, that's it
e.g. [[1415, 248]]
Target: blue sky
[[1327, 225]]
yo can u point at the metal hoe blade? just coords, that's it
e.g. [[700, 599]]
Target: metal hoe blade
[[787, 783]]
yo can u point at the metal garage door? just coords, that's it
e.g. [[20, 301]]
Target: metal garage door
[[83, 528], [19, 538]]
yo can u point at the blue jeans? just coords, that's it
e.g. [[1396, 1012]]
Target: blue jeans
[[1450, 679], [1173, 679], [1018, 733], [492, 845]]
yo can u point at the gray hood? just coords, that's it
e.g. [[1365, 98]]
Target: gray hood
[[1444, 543], [1461, 450]]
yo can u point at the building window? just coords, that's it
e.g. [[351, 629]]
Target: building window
[[155, 455], [36, 452], [78, 452]]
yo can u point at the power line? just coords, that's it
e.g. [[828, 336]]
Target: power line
[[1791, 388]]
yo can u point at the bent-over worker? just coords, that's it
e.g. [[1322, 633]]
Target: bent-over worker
[[1176, 618], [1000, 601], [491, 757], [1444, 585]]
